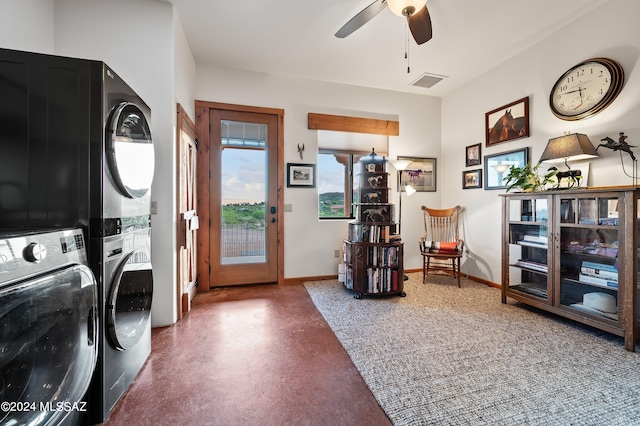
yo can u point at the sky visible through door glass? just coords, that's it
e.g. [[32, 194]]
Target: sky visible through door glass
[[243, 176]]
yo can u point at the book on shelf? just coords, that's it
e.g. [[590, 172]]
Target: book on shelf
[[603, 282], [531, 288], [532, 244], [539, 239], [600, 273], [529, 264], [599, 266]]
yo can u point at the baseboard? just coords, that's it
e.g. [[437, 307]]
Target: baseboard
[[301, 280]]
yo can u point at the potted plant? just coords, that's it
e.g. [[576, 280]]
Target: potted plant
[[526, 178]]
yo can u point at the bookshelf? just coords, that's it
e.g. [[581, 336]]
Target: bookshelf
[[575, 253], [373, 252]]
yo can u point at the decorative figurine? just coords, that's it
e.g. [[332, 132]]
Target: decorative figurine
[[300, 150], [621, 145]]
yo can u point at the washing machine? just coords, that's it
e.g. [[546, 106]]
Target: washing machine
[[48, 327], [125, 308]]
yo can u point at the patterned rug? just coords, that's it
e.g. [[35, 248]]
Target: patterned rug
[[449, 356]]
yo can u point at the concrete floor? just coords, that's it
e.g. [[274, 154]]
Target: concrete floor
[[254, 355]]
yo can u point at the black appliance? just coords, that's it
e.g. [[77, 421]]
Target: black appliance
[[126, 330], [75, 142], [76, 150], [48, 327]]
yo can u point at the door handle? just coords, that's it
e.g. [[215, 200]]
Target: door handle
[[273, 219]]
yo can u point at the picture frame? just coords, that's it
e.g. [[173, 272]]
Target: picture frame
[[473, 155], [420, 174], [496, 166], [507, 123], [472, 179], [301, 175]]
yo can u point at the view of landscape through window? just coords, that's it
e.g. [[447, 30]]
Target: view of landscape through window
[[331, 185], [243, 205]]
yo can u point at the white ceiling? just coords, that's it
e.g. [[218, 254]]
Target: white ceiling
[[296, 38]]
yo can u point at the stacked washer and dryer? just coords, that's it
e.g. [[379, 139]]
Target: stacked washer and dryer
[[76, 152]]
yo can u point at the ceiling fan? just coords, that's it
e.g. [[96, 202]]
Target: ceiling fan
[[415, 11]]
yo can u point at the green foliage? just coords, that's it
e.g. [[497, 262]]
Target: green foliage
[[526, 178], [241, 213], [328, 204]]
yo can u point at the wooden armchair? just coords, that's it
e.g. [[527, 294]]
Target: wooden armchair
[[440, 243]]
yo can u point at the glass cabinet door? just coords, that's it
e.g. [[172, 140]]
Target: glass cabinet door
[[529, 246], [589, 239]]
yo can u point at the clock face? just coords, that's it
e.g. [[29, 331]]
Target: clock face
[[586, 89]]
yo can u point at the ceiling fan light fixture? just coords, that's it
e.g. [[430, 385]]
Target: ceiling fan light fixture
[[405, 7]]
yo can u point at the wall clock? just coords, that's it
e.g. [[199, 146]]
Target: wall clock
[[586, 89]]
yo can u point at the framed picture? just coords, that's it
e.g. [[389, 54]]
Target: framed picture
[[497, 165], [472, 156], [420, 174], [508, 122], [301, 175], [472, 179]]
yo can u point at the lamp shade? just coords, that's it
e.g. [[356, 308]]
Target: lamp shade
[[571, 147], [400, 164], [405, 7]]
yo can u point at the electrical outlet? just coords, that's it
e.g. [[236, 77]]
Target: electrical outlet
[[336, 253], [154, 207]]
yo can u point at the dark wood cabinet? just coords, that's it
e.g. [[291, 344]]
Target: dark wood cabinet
[[575, 253], [373, 252]]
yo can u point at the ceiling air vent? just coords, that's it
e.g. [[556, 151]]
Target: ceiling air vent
[[427, 80]]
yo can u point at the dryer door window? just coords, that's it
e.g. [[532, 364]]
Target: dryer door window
[[129, 150], [48, 348], [129, 303]]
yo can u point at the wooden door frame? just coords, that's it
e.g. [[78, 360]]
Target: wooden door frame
[[204, 175], [183, 124]]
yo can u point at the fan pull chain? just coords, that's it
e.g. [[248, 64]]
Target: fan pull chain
[[406, 45]]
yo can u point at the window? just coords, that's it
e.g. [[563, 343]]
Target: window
[[338, 169]]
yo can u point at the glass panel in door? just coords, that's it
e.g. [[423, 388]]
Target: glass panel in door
[[244, 173]]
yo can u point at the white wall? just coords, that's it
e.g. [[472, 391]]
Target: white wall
[[184, 70], [609, 31], [309, 242], [27, 25]]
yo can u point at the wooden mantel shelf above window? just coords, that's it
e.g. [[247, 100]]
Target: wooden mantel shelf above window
[[342, 123]]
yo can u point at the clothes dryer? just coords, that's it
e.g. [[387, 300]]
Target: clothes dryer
[[122, 155], [124, 305]]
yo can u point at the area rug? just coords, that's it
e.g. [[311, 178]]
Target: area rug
[[445, 355]]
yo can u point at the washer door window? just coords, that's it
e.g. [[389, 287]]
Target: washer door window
[[47, 343], [129, 303], [129, 150]]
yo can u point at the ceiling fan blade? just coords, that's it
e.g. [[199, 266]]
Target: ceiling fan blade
[[420, 25], [362, 18]]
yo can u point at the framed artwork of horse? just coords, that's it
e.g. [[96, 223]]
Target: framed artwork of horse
[[473, 157], [508, 122], [472, 179], [496, 166], [420, 174]]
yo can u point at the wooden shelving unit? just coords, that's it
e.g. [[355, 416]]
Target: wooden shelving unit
[[575, 253], [373, 252]]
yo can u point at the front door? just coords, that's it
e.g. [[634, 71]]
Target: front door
[[245, 227]]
